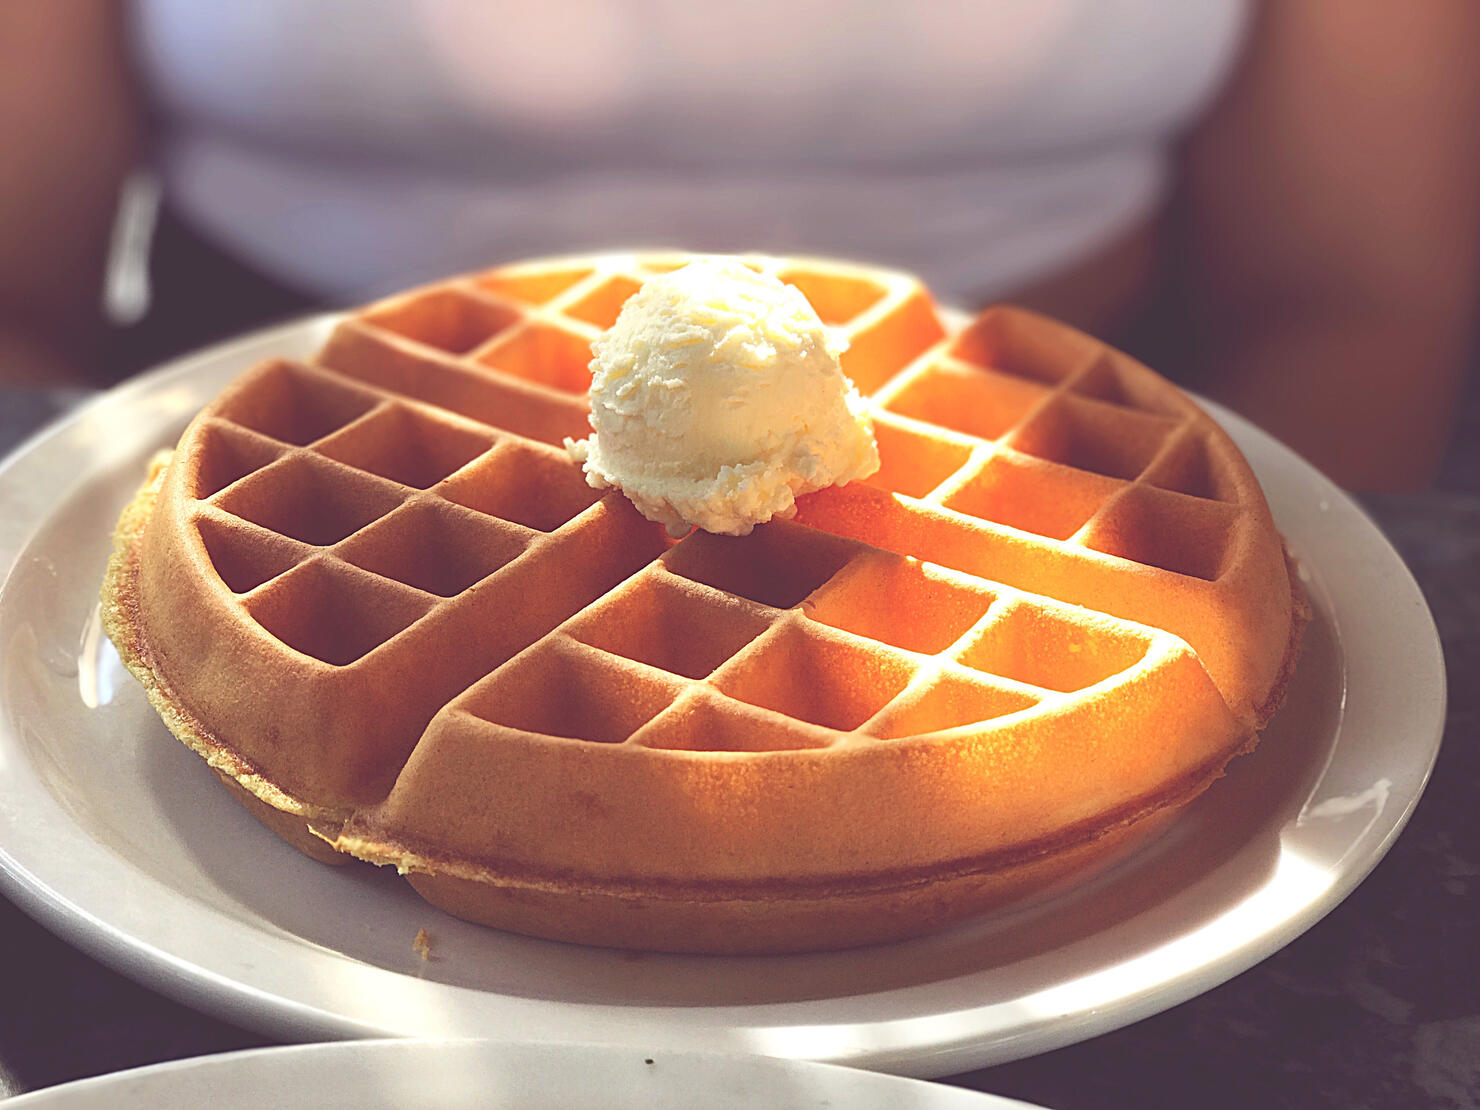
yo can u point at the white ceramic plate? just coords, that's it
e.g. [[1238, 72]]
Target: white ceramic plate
[[471, 1075], [120, 840]]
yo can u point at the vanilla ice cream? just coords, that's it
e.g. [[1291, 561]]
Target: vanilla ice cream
[[717, 399]]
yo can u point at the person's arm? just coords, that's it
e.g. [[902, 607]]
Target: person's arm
[[69, 131], [1333, 203]]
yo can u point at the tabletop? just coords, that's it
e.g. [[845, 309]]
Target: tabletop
[[1378, 1005]]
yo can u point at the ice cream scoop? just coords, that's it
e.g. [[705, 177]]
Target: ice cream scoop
[[717, 399]]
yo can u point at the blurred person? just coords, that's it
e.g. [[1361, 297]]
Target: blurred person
[[1279, 205]]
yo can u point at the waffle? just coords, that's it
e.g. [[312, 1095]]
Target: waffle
[[373, 592]]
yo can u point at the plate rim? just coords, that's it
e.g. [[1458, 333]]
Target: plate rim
[[468, 1061], [976, 1041]]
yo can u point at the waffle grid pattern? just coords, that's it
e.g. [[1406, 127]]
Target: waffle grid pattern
[[819, 670], [1070, 451], [417, 464], [399, 505]]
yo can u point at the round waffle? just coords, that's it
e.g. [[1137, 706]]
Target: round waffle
[[376, 595]]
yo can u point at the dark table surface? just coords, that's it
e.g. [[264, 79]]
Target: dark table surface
[[1376, 1006]]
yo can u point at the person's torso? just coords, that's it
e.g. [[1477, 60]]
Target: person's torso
[[349, 146]]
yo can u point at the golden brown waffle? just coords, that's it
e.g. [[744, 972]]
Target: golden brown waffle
[[375, 593]]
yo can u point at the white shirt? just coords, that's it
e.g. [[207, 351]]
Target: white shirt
[[351, 147]]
